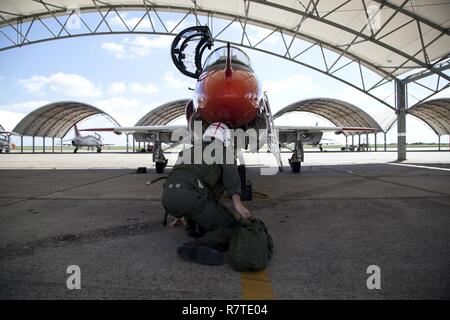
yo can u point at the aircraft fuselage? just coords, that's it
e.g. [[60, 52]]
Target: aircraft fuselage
[[233, 99]]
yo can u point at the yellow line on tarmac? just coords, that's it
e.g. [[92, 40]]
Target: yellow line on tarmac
[[256, 285]]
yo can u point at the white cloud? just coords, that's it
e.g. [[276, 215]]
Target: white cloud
[[117, 49], [256, 34], [148, 88], [10, 119], [139, 46], [23, 107], [362, 100], [296, 84], [72, 85], [131, 22], [35, 84], [117, 88], [145, 23], [125, 110], [171, 24], [174, 82]]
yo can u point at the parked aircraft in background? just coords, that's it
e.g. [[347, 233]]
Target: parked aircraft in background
[[5, 140], [227, 91], [91, 142]]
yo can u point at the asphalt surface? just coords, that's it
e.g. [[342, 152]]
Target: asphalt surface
[[329, 224]]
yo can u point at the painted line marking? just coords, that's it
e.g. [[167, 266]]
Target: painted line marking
[[418, 166], [256, 285]]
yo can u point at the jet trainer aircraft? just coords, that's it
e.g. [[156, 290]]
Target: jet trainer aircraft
[[5, 141], [91, 141], [227, 91]]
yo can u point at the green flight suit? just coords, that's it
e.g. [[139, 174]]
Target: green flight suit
[[193, 191]]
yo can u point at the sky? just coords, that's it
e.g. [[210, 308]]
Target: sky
[[128, 75]]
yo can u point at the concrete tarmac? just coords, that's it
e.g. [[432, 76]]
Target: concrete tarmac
[[329, 224]]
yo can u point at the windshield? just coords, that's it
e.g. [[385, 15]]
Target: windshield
[[220, 55]]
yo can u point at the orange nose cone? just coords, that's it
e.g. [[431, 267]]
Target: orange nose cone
[[229, 98]]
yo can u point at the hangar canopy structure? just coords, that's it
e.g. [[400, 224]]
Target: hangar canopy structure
[[161, 115], [435, 113], [338, 112], [54, 120], [164, 114], [384, 43]]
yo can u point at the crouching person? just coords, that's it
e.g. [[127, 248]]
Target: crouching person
[[192, 192]]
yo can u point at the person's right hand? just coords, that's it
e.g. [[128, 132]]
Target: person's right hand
[[243, 211]]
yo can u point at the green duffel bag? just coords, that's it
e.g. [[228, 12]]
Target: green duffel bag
[[251, 246]]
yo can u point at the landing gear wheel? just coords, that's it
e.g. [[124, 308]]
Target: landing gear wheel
[[160, 166], [75, 150], [99, 150], [295, 166]]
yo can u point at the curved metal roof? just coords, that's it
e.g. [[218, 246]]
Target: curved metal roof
[[340, 113], [435, 113], [391, 37], [54, 120], [165, 113]]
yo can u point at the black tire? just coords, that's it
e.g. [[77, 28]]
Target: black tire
[[99, 150], [296, 166], [160, 166], [75, 150]]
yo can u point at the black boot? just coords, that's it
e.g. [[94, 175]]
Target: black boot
[[198, 252]]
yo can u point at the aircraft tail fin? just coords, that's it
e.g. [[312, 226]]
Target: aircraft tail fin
[[77, 133]]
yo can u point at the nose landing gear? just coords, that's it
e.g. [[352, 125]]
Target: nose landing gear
[[158, 157], [297, 157]]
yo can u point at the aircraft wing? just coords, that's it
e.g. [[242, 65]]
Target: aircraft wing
[[148, 129], [337, 130], [313, 135], [162, 133], [138, 129]]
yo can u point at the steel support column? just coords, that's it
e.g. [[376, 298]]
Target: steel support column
[[53, 145], [33, 144], [61, 145], [43, 144], [21, 144], [439, 142], [353, 140], [400, 106], [127, 142], [134, 145], [375, 137], [385, 146]]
